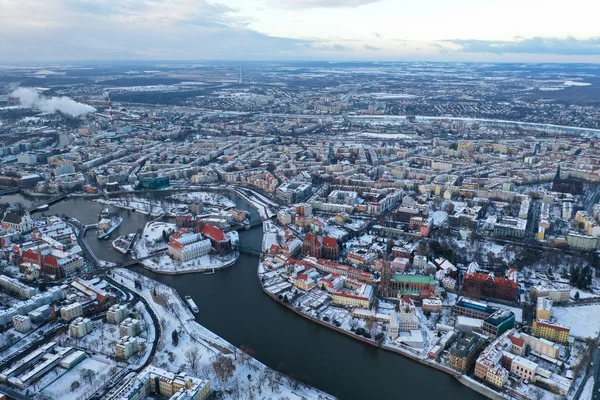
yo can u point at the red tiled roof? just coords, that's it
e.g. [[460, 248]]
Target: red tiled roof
[[214, 233], [329, 242], [516, 341]]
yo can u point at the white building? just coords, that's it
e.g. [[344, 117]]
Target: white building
[[189, 246], [71, 311], [14, 286], [80, 327], [116, 314], [126, 347], [129, 327], [21, 323]]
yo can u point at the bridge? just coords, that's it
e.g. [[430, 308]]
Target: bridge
[[53, 200], [249, 250], [135, 261], [88, 254]]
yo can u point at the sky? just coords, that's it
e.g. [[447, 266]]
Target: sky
[[337, 30]]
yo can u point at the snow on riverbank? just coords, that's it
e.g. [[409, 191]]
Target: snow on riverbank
[[259, 202], [164, 263], [173, 315], [204, 197]]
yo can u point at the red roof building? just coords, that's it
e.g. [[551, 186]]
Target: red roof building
[[320, 247], [218, 239], [488, 285]]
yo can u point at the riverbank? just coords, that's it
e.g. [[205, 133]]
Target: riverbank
[[468, 382], [250, 376], [156, 268]]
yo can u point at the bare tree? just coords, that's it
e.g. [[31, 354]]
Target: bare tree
[[223, 367], [193, 356], [87, 375]]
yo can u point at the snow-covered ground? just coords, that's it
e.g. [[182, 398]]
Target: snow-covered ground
[[588, 389], [152, 238], [175, 315], [204, 197], [164, 263], [582, 294], [60, 388], [141, 205], [579, 319]]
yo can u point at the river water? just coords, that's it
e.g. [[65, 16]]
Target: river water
[[233, 306]]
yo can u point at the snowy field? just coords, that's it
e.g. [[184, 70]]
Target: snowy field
[[204, 197], [152, 239], [582, 294], [61, 387], [579, 319]]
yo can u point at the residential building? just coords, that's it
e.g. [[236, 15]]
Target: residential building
[[293, 192], [558, 293], [129, 327], [22, 323], [116, 313], [153, 380], [80, 327], [550, 331], [303, 282], [463, 355], [498, 323], [126, 347], [14, 286], [71, 311], [543, 310]]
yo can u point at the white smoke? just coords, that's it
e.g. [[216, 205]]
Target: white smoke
[[30, 98]]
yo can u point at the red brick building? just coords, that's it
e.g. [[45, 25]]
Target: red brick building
[[488, 285], [217, 237], [320, 247]]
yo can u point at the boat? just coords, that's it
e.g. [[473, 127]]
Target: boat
[[104, 213], [43, 207], [106, 226], [122, 244], [192, 304]]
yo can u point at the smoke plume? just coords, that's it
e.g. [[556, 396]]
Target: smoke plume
[[31, 98]]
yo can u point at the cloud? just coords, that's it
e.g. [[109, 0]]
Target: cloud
[[371, 48], [74, 30], [568, 46], [324, 3], [31, 98]]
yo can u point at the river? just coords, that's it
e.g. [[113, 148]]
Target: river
[[233, 306]]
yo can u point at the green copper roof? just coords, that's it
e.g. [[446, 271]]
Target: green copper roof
[[412, 278]]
